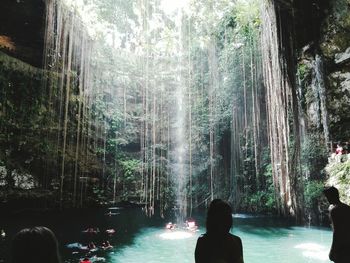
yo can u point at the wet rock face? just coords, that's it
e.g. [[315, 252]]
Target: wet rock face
[[334, 47], [336, 31], [22, 29], [341, 80], [344, 57], [339, 103]]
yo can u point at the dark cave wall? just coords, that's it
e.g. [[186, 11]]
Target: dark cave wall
[[22, 29], [310, 29], [314, 43], [335, 48]]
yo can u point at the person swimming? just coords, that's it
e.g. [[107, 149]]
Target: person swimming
[[110, 231], [91, 246], [85, 260], [170, 226], [2, 233], [91, 230], [191, 225], [106, 245]]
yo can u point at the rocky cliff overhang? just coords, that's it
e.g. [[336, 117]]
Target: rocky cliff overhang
[[307, 17]]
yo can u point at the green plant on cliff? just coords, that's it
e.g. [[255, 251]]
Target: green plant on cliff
[[301, 71], [312, 193], [263, 201], [24, 125], [314, 157], [339, 176]]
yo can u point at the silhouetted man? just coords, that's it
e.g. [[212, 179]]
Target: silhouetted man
[[340, 217]]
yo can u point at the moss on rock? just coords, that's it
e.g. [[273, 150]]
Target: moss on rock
[[336, 29]]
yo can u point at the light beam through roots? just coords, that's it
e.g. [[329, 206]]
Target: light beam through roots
[[175, 235]]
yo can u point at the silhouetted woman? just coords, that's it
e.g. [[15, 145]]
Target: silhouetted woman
[[217, 245], [37, 245]]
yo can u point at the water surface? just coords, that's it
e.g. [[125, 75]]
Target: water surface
[[140, 239], [264, 240]]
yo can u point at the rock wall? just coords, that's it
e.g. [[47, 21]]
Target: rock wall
[[314, 42], [324, 74]]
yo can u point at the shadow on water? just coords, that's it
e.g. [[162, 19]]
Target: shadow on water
[[262, 225]]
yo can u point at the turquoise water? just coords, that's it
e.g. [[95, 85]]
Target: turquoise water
[[141, 239], [261, 243], [286, 245]]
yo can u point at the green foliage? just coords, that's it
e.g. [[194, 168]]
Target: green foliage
[[262, 201], [339, 176], [24, 123], [99, 195], [314, 157], [247, 14], [133, 80], [304, 74], [312, 193], [301, 71], [130, 168], [118, 13], [270, 193]]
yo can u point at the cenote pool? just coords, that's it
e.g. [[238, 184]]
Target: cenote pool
[[140, 239]]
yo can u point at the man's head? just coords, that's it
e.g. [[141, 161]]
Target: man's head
[[332, 194]]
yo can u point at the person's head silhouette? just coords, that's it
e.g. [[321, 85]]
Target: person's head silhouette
[[218, 244], [37, 244], [332, 195], [219, 217]]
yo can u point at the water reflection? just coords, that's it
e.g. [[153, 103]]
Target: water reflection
[[313, 251], [176, 235]]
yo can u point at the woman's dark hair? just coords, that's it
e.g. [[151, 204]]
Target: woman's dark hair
[[331, 193], [37, 244], [219, 217]]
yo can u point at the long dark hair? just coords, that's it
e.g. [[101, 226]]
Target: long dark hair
[[332, 194], [219, 217], [37, 244]]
